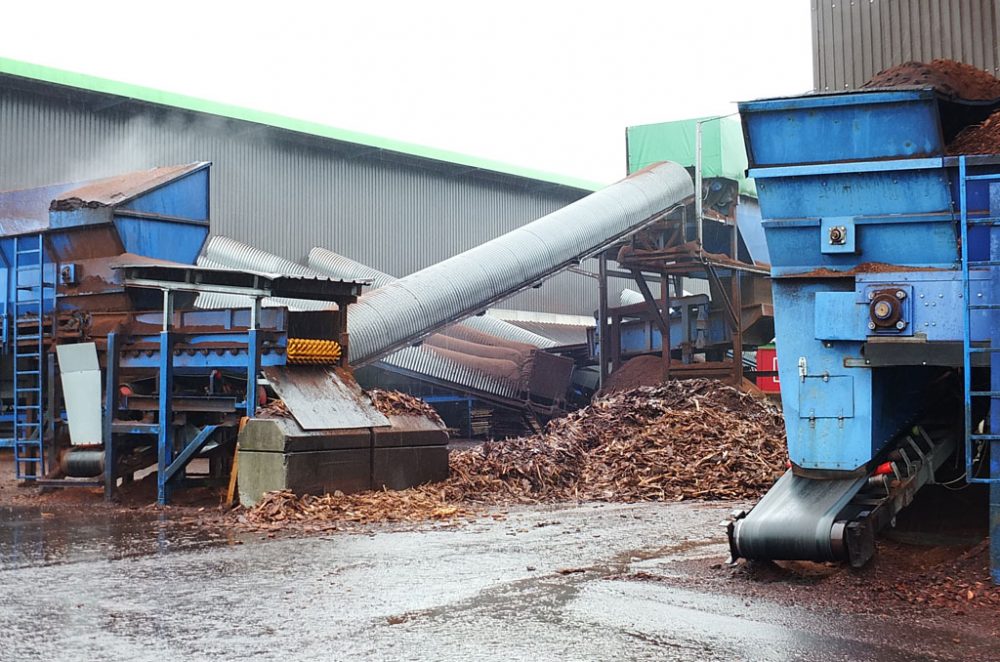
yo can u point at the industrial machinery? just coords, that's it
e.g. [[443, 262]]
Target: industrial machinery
[[102, 296], [712, 245], [885, 255], [99, 279]]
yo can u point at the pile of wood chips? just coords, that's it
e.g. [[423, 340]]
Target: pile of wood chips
[[948, 77], [395, 403], [274, 409], [979, 138], [277, 509], [693, 439]]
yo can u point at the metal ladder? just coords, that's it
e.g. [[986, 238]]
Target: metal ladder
[[29, 355], [983, 302]]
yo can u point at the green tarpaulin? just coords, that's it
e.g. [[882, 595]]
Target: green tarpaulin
[[723, 153]]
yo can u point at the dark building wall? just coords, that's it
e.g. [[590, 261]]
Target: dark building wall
[[855, 39], [282, 191]]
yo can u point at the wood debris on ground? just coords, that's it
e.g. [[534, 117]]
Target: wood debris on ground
[[274, 409], [395, 403], [693, 439], [414, 505]]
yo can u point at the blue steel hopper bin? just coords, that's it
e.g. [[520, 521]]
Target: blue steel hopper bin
[[885, 253], [109, 263]]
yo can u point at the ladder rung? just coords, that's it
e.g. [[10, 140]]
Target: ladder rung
[[985, 394], [983, 221], [985, 263], [985, 306], [984, 350], [29, 251], [985, 437]]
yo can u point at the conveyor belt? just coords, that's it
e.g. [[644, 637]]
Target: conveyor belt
[[795, 520], [811, 519]]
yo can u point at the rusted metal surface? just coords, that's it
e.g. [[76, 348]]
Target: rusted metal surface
[[863, 268], [121, 188], [324, 398], [26, 211]]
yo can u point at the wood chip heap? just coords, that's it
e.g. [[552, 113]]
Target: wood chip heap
[[978, 139], [394, 403], [695, 439], [951, 78]]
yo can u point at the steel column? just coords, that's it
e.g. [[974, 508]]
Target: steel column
[[995, 406], [602, 314], [253, 358], [665, 339], [110, 408], [165, 447]]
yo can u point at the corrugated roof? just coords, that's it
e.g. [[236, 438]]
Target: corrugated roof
[[42, 73]]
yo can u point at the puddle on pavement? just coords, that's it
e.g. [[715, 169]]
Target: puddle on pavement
[[36, 535]]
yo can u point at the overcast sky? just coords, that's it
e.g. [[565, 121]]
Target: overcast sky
[[545, 85]]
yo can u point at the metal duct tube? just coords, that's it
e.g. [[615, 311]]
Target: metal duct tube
[[335, 265], [237, 255], [410, 308], [631, 298], [217, 300]]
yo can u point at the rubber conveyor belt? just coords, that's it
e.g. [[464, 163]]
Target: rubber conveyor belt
[[795, 520]]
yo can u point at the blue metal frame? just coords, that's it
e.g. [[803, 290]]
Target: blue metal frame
[[110, 407], [967, 337], [28, 441], [165, 436]]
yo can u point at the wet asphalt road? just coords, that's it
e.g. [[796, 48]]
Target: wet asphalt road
[[134, 586]]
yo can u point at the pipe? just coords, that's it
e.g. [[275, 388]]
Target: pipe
[[410, 308], [420, 362], [334, 265]]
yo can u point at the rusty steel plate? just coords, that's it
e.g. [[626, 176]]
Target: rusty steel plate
[[324, 397]]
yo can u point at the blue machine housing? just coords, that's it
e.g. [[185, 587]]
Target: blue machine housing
[[860, 203]]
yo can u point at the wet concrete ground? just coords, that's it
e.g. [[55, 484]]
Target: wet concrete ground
[[543, 583]]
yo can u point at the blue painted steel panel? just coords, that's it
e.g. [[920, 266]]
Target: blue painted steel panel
[[934, 295], [748, 220], [177, 242], [856, 194], [826, 396], [843, 224], [884, 400], [935, 301], [845, 168], [186, 197], [79, 217], [796, 247], [839, 317], [818, 129]]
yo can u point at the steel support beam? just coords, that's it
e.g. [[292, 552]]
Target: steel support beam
[[253, 358], [165, 437], [995, 410], [659, 316], [602, 315], [192, 449], [110, 409]]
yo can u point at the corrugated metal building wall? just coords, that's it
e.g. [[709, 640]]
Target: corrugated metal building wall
[[283, 191], [855, 39]]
